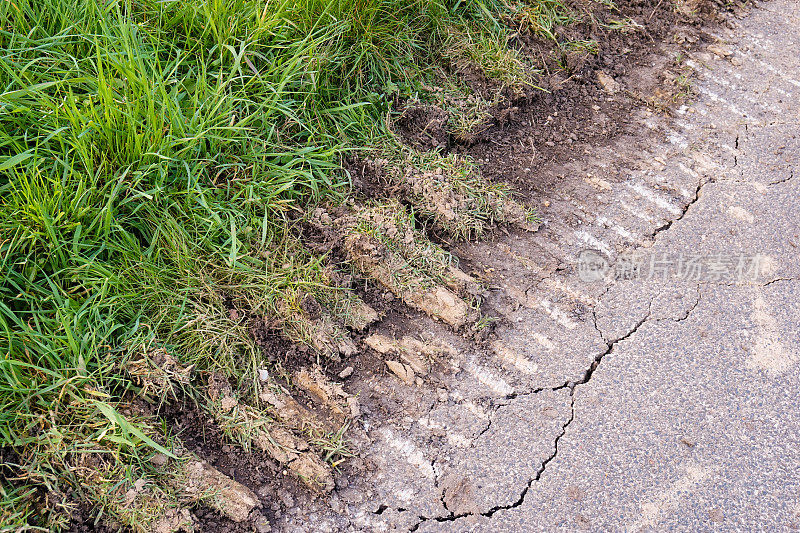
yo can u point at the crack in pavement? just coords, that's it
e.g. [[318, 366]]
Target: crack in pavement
[[572, 385], [452, 517], [778, 182], [539, 472], [689, 310], [777, 280], [497, 405], [668, 224]]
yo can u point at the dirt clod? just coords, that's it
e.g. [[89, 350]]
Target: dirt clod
[[292, 413], [329, 394], [404, 372], [609, 84], [175, 520], [202, 481]]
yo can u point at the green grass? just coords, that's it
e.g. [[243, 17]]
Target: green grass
[[151, 156], [447, 192]]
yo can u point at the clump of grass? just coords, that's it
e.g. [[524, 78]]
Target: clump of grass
[[689, 8], [334, 446], [18, 510], [383, 245], [582, 46], [392, 225], [491, 54], [468, 117], [90, 448], [450, 193], [129, 496], [543, 17]]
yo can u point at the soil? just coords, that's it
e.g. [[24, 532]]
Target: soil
[[83, 521], [423, 127], [255, 469], [574, 112]]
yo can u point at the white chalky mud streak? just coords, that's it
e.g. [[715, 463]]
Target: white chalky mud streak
[[667, 501], [548, 339], [769, 351]]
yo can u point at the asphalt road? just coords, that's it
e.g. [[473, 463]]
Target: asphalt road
[[691, 419]]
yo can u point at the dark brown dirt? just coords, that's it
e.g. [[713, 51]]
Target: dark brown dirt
[[255, 469], [84, 521], [573, 113], [368, 178], [275, 347], [423, 127]]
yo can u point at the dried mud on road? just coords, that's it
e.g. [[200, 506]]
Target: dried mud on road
[[465, 324]]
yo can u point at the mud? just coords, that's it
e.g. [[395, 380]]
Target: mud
[[419, 429]]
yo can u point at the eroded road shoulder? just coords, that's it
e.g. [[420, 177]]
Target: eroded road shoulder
[[690, 419], [661, 396]]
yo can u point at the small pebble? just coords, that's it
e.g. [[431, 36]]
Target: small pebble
[[261, 525], [159, 459], [346, 373]]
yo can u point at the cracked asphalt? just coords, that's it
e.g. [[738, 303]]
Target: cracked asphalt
[[690, 419], [640, 401]]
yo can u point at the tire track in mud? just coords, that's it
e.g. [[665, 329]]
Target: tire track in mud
[[435, 453]]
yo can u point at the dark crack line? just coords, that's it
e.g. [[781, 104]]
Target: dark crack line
[[541, 469], [452, 517], [489, 421], [784, 180], [692, 308], [668, 224], [507, 399], [594, 319], [572, 385], [777, 280], [688, 311], [610, 348]]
